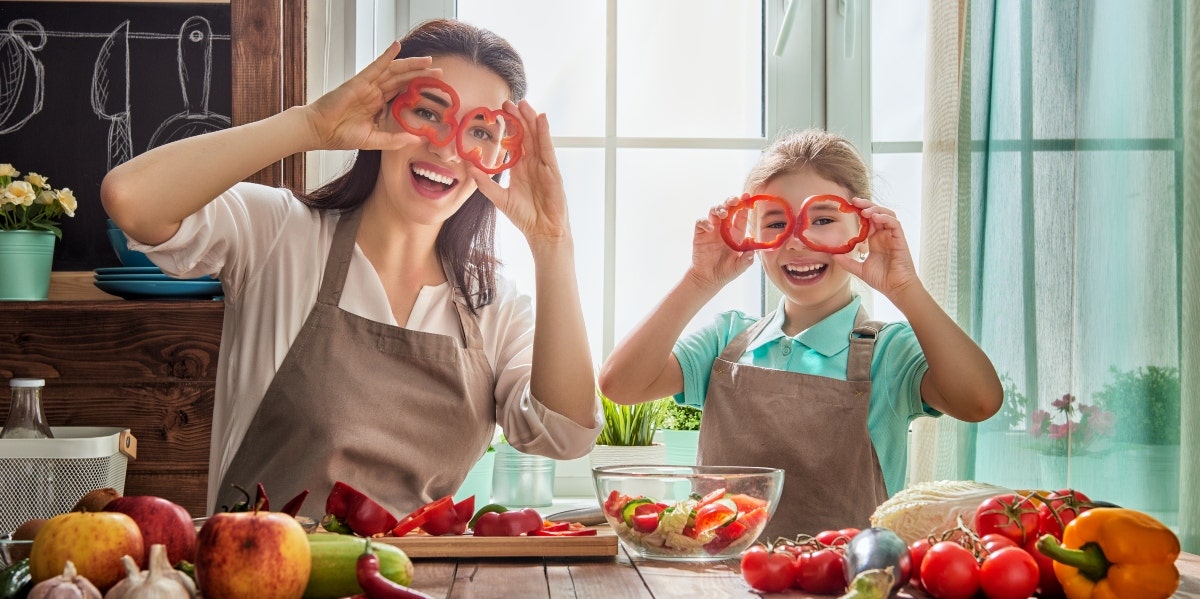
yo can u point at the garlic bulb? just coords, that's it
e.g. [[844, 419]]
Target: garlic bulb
[[68, 585], [161, 581]]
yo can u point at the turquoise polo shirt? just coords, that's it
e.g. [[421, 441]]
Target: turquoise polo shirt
[[823, 349]]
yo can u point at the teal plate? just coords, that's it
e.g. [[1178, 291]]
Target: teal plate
[[130, 270], [150, 277], [133, 290]]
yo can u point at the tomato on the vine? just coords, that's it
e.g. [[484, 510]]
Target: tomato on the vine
[[1014, 516], [1048, 585], [1009, 573], [995, 542], [836, 537], [949, 571], [770, 571], [917, 551], [1067, 503], [822, 572]]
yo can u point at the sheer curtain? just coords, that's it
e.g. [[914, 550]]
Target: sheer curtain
[[1059, 230]]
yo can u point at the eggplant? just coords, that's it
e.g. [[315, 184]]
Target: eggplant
[[877, 559]]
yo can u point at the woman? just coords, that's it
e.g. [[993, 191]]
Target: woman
[[367, 337]]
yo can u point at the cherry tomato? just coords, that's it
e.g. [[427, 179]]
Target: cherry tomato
[[835, 537], [849, 533], [949, 571], [1014, 516], [917, 551], [995, 542], [822, 572], [1068, 503], [1048, 585], [1009, 573], [767, 571]]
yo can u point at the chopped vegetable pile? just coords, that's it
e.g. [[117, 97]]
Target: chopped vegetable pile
[[695, 526]]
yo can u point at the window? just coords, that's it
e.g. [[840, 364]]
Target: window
[[658, 111]]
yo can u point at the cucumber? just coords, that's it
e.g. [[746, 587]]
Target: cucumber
[[631, 507], [15, 580], [335, 562]]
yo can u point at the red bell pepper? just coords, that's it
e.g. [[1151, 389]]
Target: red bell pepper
[[864, 226], [510, 144], [511, 523], [582, 532], [743, 245], [412, 97], [793, 225], [448, 518], [348, 510]]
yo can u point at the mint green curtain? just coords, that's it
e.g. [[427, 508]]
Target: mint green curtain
[[1077, 185]]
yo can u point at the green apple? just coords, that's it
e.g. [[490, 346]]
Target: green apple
[[252, 554]]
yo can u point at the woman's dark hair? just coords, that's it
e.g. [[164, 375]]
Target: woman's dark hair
[[467, 238]]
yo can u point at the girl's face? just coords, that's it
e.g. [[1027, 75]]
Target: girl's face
[[806, 277], [423, 181]]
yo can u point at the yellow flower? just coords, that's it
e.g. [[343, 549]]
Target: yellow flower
[[19, 193], [45, 198], [66, 197], [7, 170], [37, 180]]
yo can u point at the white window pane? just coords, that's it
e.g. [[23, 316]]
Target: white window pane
[[689, 68], [897, 71], [660, 194], [897, 185], [564, 62], [583, 177]]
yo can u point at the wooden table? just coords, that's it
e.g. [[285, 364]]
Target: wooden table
[[625, 577]]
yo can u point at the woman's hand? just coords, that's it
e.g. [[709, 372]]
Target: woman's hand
[[888, 266], [534, 200], [714, 263], [351, 117]]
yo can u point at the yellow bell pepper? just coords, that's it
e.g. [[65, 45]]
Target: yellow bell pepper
[[1113, 553]]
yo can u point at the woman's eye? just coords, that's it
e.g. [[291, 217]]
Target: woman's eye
[[482, 134], [427, 114]]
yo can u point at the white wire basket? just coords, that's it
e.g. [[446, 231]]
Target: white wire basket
[[41, 478]]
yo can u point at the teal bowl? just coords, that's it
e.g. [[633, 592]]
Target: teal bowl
[[127, 256]]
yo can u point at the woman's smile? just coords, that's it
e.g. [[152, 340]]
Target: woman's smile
[[432, 181]]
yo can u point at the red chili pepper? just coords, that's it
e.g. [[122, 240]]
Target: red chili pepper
[[377, 586], [347, 507], [511, 143], [864, 226], [512, 523], [792, 226], [412, 97], [292, 507]]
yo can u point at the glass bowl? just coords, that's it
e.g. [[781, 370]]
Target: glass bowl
[[688, 513], [13, 550]]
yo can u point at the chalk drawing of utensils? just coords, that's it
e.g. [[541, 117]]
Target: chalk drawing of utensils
[[110, 93], [22, 76], [195, 75]]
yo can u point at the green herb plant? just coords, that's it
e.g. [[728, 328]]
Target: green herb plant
[[1146, 404], [679, 417], [631, 425]]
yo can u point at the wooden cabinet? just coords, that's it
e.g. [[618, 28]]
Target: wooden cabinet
[[147, 366]]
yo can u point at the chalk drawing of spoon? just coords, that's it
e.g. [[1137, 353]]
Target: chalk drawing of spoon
[[22, 76], [195, 75], [110, 93]]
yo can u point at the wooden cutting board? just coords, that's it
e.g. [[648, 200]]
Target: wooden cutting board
[[603, 544]]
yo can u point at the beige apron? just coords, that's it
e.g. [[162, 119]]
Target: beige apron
[[813, 427], [401, 415]]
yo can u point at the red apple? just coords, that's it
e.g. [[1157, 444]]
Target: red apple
[[252, 554], [93, 541], [162, 522]]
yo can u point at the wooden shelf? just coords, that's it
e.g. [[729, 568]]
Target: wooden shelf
[[147, 366]]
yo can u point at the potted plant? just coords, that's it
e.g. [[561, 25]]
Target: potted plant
[[521, 479], [628, 433], [29, 209], [681, 432]]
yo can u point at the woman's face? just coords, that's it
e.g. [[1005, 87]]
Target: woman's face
[[428, 183], [805, 276]]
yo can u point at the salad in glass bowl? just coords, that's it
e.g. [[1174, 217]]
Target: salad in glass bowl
[[688, 513]]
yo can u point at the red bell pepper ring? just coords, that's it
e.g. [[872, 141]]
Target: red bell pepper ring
[[412, 97], [510, 143], [447, 518], [582, 532], [512, 523], [792, 226], [292, 507], [349, 508]]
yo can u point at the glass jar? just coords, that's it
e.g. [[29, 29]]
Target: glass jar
[[25, 417]]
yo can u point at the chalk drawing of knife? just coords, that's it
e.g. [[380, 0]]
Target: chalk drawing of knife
[[110, 93]]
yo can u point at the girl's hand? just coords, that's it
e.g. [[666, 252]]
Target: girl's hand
[[888, 266], [714, 263], [351, 117], [534, 200]]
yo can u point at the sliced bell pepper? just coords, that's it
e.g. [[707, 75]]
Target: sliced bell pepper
[[418, 517], [511, 523], [793, 225], [349, 508], [747, 244], [864, 226], [412, 97], [1114, 553], [510, 144], [583, 532], [448, 518]]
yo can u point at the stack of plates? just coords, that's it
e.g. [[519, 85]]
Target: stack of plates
[[148, 282]]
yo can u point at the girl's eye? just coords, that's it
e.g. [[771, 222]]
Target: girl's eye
[[824, 220], [778, 224]]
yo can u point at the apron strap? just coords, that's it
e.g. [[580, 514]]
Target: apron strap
[[467, 322], [737, 346], [862, 346], [337, 264]]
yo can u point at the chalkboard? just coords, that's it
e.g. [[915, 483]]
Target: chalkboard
[[84, 86]]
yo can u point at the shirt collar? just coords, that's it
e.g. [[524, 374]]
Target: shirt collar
[[829, 336]]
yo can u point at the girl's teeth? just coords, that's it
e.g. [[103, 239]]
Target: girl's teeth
[[432, 176]]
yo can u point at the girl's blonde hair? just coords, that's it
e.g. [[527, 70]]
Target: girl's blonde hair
[[831, 156]]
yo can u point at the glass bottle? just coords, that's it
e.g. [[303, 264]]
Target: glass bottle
[[25, 417]]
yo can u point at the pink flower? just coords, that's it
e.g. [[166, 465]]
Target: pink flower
[[1064, 404], [1037, 422], [1064, 430]]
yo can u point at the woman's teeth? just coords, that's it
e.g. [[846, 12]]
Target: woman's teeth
[[807, 271], [432, 176]]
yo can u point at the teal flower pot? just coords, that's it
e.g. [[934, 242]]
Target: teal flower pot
[[26, 258], [478, 481]]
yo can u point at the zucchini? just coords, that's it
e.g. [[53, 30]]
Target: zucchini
[[335, 565], [16, 580], [874, 550]]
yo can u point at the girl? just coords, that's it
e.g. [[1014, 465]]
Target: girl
[[815, 387], [367, 336]]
